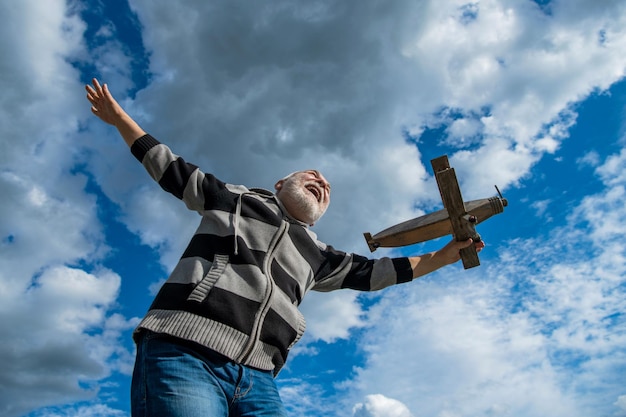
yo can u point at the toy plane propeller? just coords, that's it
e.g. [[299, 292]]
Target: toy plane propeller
[[458, 218]]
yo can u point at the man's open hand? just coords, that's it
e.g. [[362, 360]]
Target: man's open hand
[[103, 104], [109, 111]]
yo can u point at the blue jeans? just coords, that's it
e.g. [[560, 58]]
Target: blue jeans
[[179, 379]]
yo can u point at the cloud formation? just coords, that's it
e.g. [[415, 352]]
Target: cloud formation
[[526, 336], [58, 336], [335, 86], [380, 406]]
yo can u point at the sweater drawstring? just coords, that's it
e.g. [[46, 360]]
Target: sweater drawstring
[[236, 222]]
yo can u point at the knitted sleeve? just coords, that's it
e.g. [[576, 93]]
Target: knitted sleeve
[[176, 176], [345, 270]]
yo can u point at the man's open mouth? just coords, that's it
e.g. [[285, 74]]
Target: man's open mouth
[[315, 191]]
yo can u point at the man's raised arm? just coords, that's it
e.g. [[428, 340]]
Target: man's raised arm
[[109, 111]]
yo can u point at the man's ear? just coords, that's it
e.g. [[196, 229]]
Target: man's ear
[[279, 185]]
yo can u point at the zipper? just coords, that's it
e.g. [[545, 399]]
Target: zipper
[[265, 305]]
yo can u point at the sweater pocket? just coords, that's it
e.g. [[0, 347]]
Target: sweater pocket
[[300, 328], [201, 291]]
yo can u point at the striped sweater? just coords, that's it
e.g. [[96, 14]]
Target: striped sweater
[[237, 286]]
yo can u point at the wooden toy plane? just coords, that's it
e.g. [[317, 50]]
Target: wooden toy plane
[[458, 218]]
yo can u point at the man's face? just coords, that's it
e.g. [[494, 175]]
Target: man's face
[[305, 195]]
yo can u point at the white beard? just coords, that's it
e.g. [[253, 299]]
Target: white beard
[[300, 203]]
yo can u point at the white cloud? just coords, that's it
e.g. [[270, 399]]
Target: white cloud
[[540, 207], [463, 132], [612, 171], [98, 410], [36, 214], [621, 404], [380, 406], [527, 68], [332, 315], [303, 399], [591, 158], [58, 338]]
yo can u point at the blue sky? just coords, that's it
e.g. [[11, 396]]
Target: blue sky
[[526, 95]]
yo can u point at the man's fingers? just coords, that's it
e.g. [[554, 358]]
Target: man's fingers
[[95, 94], [96, 84], [91, 93]]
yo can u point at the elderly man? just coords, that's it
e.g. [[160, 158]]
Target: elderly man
[[220, 328]]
